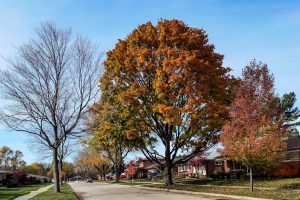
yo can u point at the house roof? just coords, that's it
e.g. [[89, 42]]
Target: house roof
[[293, 142], [36, 176], [76, 177], [5, 172]]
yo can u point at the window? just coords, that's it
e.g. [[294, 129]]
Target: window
[[180, 168], [293, 155], [219, 162], [235, 165]]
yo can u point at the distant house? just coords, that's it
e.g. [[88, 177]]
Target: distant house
[[37, 178], [232, 168], [145, 168], [11, 178], [148, 169], [77, 178], [288, 167], [5, 177], [188, 170]]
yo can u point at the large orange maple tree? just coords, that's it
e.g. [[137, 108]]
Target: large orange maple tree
[[173, 84], [254, 135]]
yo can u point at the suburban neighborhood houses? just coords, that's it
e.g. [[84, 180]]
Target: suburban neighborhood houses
[[226, 168], [143, 100]]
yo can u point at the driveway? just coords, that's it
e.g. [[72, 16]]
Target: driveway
[[100, 191]]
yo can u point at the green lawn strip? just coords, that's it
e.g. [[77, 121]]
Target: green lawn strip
[[66, 194], [11, 193], [269, 194], [286, 183], [289, 183]]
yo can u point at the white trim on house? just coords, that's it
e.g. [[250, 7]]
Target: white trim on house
[[219, 162]]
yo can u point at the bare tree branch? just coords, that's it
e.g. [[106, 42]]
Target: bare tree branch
[[49, 85]]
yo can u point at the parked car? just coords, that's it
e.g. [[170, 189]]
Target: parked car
[[123, 176], [152, 175], [109, 177], [89, 180]]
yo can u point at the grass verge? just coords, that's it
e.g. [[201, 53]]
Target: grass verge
[[66, 194], [268, 194], [285, 183], [208, 186], [11, 193]]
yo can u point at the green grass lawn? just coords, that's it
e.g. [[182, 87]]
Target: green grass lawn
[[210, 186], [286, 183], [66, 194], [11, 193], [269, 194]]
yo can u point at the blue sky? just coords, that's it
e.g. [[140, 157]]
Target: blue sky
[[241, 30]]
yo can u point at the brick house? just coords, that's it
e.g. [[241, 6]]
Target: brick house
[[233, 168], [5, 177], [146, 168], [288, 167], [188, 170]]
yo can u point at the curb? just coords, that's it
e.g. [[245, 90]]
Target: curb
[[201, 193]]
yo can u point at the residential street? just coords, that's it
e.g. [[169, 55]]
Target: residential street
[[99, 191]]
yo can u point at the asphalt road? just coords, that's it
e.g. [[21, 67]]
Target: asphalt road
[[100, 191]]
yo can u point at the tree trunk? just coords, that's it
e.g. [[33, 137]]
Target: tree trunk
[[100, 172], [61, 171], [168, 175], [168, 167], [251, 180], [116, 174], [116, 167], [103, 172], [56, 172]]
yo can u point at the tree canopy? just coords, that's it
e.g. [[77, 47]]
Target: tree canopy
[[173, 85]]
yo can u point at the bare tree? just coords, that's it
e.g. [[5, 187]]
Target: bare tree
[[49, 85], [66, 148]]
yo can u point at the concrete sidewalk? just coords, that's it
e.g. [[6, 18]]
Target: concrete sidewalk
[[33, 193]]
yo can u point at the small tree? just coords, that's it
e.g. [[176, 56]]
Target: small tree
[[5, 157], [254, 135], [10, 159], [83, 165], [100, 162], [197, 162], [131, 168], [108, 126], [69, 170]]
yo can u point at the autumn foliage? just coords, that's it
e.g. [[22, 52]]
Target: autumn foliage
[[172, 86], [132, 167], [254, 134], [198, 160], [109, 126]]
